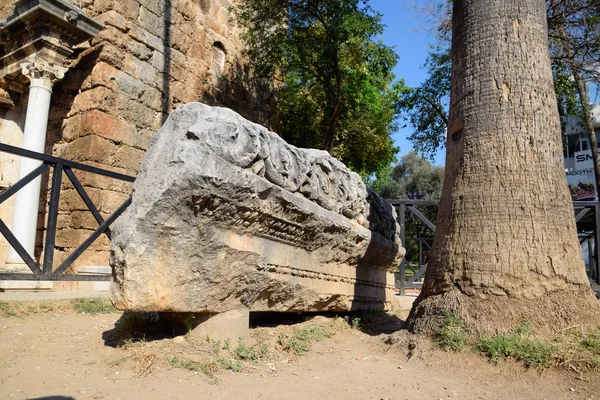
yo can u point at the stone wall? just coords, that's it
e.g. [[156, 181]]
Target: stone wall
[[152, 56]]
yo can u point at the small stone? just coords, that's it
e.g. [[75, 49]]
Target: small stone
[[572, 389], [178, 339]]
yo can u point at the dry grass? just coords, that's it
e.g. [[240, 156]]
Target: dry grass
[[82, 306], [24, 308], [145, 361]]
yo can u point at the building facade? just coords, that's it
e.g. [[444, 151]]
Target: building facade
[[579, 165], [116, 90]]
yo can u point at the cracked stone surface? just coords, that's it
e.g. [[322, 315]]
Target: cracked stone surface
[[227, 215]]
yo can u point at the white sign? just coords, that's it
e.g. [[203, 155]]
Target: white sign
[[584, 160]]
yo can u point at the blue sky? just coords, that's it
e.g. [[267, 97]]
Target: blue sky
[[409, 33]]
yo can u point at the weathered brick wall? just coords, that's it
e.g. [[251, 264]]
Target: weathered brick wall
[[152, 56]]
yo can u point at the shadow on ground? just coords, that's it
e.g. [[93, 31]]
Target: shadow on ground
[[373, 322], [147, 327]]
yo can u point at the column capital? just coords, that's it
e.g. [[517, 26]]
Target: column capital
[[42, 74]]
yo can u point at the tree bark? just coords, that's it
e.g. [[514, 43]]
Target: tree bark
[[506, 247]]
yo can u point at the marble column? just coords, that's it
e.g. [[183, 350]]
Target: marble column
[[42, 76]]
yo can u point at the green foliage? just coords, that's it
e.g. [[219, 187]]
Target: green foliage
[[424, 107], [6, 309], [188, 320], [184, 363], [301, 339], [93, 306], [412, 178], [354, 322], [520, 345], [251, 353], [451, 336], [232, 359], [230, 364], [333, 78], [574, 33], [592, 342]]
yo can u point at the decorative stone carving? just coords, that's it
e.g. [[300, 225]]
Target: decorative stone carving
[[226, 215], [72, 16], [47, 30], [42, 74]]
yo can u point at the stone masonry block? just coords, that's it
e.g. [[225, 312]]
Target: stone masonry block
[[112, 55], [110, 201], [88, 179], [103, 74], [128, 9], [141, 35], [87, 148], [112, 35], [157, 7], [151, 22], [70, 128], [113, 18], [96, 122], [141, 70], [99, 98], [141, 115], [152, 98], [130, 85], [127, 157], [70, 199], [84, 220]]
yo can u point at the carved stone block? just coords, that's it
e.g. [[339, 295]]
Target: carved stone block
[[226, 215]]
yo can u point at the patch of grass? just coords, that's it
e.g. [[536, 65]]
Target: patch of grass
[[591, 342], [206, 367], [183, 363], [354, 322], [6, 309], [93, 306], [23, 308], [301, 339], [188, 321], [251, 353], [451, 336], [520, 345], [230, 364], [115, 362]]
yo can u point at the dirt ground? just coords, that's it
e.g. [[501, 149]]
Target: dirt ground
[[65, 355]]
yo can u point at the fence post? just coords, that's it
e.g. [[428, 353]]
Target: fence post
[[596, 272], [403, 240]]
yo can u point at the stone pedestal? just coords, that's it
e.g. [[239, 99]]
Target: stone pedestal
[[233, 325]]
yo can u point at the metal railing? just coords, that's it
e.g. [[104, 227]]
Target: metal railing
[[402, 206], [587, 217], [46, 271]]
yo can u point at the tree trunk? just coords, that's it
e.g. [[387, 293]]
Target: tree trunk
[[506, 247]]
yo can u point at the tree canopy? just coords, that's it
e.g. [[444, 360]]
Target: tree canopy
[[574, 32], [412, 178], [333, 77]]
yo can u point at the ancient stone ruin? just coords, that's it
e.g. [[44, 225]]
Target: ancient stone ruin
[[227, 216]]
